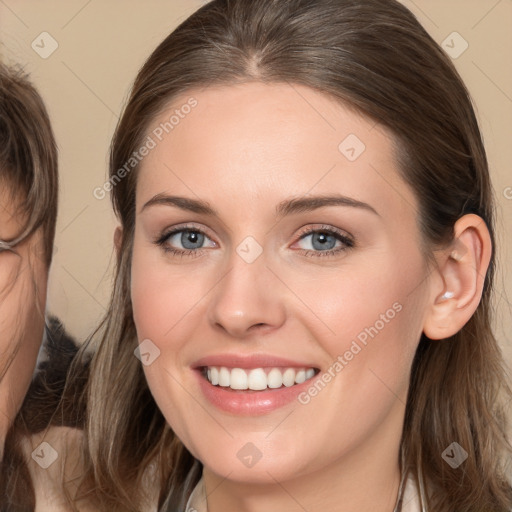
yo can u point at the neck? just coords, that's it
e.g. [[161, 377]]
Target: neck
[[365, 480]]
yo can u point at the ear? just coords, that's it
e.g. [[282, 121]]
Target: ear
[[462, 269], [118, 239]]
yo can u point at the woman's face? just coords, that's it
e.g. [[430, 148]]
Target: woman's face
[[273, 282], [23, 280]]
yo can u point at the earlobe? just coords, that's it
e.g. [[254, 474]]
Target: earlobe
[[462, 269]]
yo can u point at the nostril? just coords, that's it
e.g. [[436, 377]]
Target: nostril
[[258, 326]]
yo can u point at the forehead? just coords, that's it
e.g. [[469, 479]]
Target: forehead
[[261, 142]]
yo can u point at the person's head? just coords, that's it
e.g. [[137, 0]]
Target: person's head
[[28, 209], [241, 116]]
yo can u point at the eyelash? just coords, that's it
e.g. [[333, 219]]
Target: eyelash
[[347, 241]]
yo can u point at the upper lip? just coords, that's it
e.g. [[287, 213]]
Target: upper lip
[[249, 361]]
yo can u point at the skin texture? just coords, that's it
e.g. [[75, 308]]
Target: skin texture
[[244, 149], [23, 281]]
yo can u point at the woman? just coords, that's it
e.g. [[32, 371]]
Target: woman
[[327, 344]]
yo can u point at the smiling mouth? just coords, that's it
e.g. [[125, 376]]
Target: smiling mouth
[[256, 379]]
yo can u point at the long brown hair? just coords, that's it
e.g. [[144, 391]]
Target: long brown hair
[[375, 56]]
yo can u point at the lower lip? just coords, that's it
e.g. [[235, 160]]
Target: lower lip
[[247, 402]]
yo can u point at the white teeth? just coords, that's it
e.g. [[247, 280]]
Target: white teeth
[[224, 377], [289, 377], [238, 379], [257, 379], [274, 378], [300, 376]]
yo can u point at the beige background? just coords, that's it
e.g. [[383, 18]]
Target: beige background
[[102, 44]]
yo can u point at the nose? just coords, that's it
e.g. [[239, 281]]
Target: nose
[[248, 299]]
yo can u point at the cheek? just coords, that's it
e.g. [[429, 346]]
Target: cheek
[[21, 330], [162, 297], [358, 300], [370, 323]]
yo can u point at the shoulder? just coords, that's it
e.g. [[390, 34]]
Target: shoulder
[[53, 416], [43, 448], [55, 465], [54, 397]]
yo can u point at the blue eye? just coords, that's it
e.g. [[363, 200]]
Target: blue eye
[[323, 241], [188, 239], [191, 239]]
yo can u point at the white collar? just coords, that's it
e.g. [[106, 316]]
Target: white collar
[[197, 500], [411, 500]]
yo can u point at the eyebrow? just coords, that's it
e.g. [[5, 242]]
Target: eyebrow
[[286, 207]]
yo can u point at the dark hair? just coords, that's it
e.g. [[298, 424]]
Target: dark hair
[[374, 56]]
